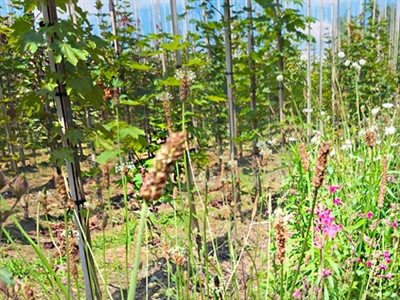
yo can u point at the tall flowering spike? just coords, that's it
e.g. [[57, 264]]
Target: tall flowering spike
[[3, 180], [156, 178], [281, 238], [105, 179], [320, 166], [184, 89], [19, 186], [167, 111], [304, 157], [382, 186]]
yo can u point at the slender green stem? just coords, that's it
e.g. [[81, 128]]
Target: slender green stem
[[303, 250], [282, 291], [135, 271]]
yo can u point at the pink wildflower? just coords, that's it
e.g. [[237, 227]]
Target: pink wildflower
[[326, 273], [337, 201], [333, 188], [296, 294], [331, 230], [395, 224], [386, 254], [368, 263], [369, 215], [389, 276], [383, 267]]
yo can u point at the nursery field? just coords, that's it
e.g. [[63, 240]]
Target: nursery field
[[230, 153]]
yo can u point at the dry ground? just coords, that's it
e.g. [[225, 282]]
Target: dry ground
[[46, 230]]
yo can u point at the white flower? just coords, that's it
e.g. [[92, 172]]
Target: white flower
[[347, 63], [279, 78], [333, 152], [356, 66], [378, 142], [389, 156], [347, 145], [341, 54], [390, 130], [316, 139], [362, 62], [181, 73], [307, 110], [303, 57], [323, 113], [375, 111], [162, 96], [291, 139], [387, 105], [394, 145], [359, 160]]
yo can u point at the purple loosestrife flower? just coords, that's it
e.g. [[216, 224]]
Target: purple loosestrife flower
[[369, 215], [395, 224]]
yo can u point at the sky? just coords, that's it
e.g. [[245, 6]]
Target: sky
[[146, 10]]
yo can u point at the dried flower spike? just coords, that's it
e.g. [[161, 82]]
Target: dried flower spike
[[304, 157], [184, 89], [382, 185], [370, 138], [320, 166], [167, 111], [281, 238], [163, 163]]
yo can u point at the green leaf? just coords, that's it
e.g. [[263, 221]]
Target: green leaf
[[61, 154], [73, 54], [137, 66], [75, 135], [131, 131], [175, 45], [107, 155], [216, 99], [334, 266], [6, 276], [170, 81]]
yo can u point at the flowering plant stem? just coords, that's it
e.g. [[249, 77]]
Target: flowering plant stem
[[134, 274], [303, 250]]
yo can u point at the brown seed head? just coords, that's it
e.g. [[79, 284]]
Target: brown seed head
[[167, 111], [184, 89], [382, 186], [116, 96], [105, 171], [281, 238], [61, 190], [163, 164], [304, 157], [320, 166], [370, 138]]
